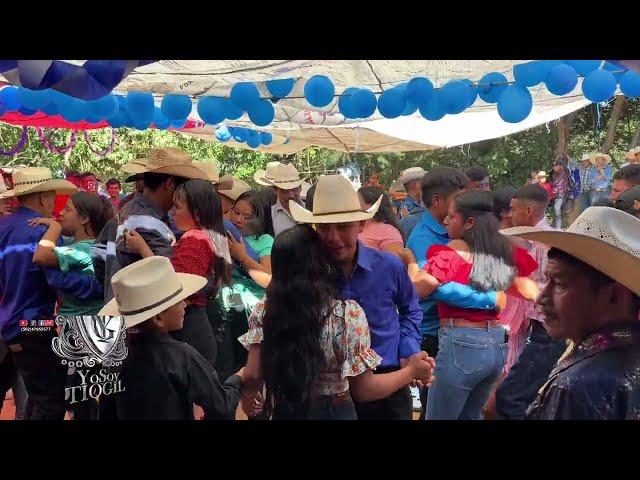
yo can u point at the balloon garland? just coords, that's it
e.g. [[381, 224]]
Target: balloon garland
[[19, 146], [54, 149], [104, 152]]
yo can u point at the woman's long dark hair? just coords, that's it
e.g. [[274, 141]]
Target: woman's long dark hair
[[493, 266], [385, 213], [298, 301], [206, 209], [93, 207]]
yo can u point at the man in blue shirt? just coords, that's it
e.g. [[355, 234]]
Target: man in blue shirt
[[439, 188], [412, 209], [28, 292]]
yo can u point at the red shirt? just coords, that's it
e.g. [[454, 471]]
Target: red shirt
[[549, 188], [194, 254], [446, 265], [61, 201]]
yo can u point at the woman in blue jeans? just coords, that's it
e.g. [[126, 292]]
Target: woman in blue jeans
[[472, 347]]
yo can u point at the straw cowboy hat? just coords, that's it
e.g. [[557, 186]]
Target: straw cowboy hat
[[239, 187], [595, 156], [335, 201], [148, 287], [284, 176], [37, 179], [411, 174], [171, 161], [605, 238], [631, 154], [138, 176], [213, 174]]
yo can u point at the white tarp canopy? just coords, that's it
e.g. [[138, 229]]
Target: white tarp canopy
[[298, 125]]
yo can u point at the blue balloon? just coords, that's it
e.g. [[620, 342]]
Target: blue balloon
[[27, 111], [266, 138], [120, 119], [345, 103], [454, 97], [51, 109], [141, 125], [91, 118], [104, 107], [177, 123], [73, 110], [253, 142], [140, 106], [364, 103], [244, 95], [175, 107], [32, 99], [319, 91], [211, 110], [159, 120], [122, 102], [599, 85], [9, 99], [280, 88], [231, 110], [472, 92], [433, 110], [223, 134], [419, 91], [533, 73], [630, 84], [240, 134], [617, 70], [584, 67], [515, 104], [562, 79], [262, 113], [392, 103], [2, 110], [488, 89]]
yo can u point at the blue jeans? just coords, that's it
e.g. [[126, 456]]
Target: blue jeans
[[583, 202], [557, 212], [468, 364], [594, 195]]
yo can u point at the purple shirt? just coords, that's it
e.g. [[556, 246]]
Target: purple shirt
[[381, 285]]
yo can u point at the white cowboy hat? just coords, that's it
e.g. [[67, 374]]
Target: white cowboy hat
[[607, 158], [541, 173], [37, 179], [411, 174], [284, 176], [213, 174], [334, 201], [171, 161], [603, 237], [585, 156], [631, 154], [239, 187], [148, 287]]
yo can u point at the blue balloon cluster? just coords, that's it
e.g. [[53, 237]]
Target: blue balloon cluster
[[244, 98], [252, 138]]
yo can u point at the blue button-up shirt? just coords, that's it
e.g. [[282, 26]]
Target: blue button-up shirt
[[27, 291], [430, 232], [381, 285]]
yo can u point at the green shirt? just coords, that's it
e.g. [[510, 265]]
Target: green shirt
[[76, 256], [244, 294]]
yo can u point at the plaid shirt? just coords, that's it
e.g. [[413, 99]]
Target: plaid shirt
[[584, 177]]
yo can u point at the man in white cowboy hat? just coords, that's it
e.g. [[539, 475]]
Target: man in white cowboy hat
[[28, 291], [376, 280], [600, 176], [164, 170], [624, 179], [161, 377], [287, 183], [632, 157], [583, 201], [412, 208], [593, 299]]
